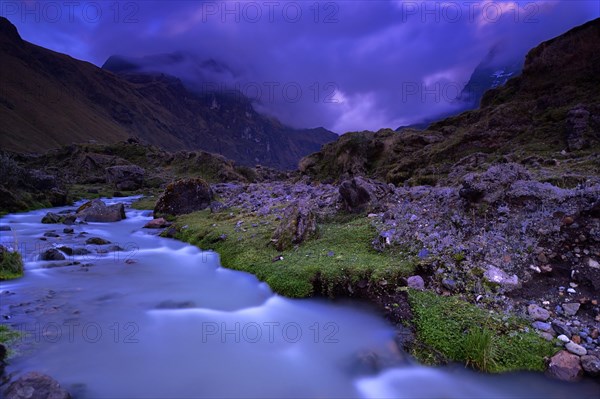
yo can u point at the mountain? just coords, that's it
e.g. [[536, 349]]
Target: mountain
[[492, 72], [548, 118], [48, 99]]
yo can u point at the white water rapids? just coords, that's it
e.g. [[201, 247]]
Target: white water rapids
[[162, 319]]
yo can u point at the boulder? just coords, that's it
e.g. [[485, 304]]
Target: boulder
[[34, 385], [298, 225], [97, 211], [492, 184], [591, 365], [96, 241], [363, 195], [565, 366], [184, 196], [125, 177], [52, 218]]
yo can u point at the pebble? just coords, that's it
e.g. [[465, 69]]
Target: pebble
[[540, 325], [571, 291], [576, 349], [563, 338], [593, 264], [571, 309], [416, 282], [538, 313]]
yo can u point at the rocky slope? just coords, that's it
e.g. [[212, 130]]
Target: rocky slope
[[49, 99], [547, 119]]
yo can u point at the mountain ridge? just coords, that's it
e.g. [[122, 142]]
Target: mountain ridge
[[50, 99]]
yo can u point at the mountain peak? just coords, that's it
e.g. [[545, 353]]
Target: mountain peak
[[9, 31]]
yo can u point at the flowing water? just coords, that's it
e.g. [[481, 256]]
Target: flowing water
[[161, 319]]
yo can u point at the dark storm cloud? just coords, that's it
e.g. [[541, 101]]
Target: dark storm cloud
[[345, 65]]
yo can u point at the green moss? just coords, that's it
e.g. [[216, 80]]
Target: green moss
[[7, 334], [339, 256], [11, 265], [462, 332]]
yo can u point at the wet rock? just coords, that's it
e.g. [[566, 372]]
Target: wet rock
[[362, 195], [69, 219], [169, 304], [498, 276], [157, 224], [416, 282], [66, 250], [97, 211], [125, 177], [591, 365], [538, 313], [52, 218], [80, 251], [184, 196], [34, 385], [68, 230], [4, 227], [565, 366], [52, 254], [96, 241], [51, 234], [298, 225], [575, 349], [571, 309]]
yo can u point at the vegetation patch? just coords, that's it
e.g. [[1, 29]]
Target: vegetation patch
[[458, 331], [340, 256], [11, 264]]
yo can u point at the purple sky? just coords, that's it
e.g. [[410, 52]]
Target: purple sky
[[344, 65]]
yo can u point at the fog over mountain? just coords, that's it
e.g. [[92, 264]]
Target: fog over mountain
[[340, 65]]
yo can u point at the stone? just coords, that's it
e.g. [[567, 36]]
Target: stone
[[593, 264], [591, 365], [565, 366], [298, 225], [97, 211], [563, 338], [449, 284], [561, 328], [3, 352], [540, 325], [96, 241], [575, 349], [571, 309], [4, 227], [157, 224], [362, 195], [416, 282], [52, 254], [69, 219], [184, 196], [538, 313], [52, 218], [34, 385], [125, 177], [68, 230], [498, 276]]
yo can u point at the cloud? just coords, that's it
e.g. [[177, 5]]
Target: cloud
[[344, 65]]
